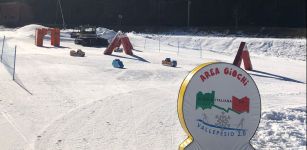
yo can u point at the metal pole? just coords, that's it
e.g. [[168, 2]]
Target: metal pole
[[14, 63], [144, 44], [2, 48], [159, 44], [62, 14], [178, 48], [189, 5]]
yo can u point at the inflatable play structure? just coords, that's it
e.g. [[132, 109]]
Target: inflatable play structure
[[169, 62], [41, 32], [116, 63], [243, 54], [78, 53], [119, 39]]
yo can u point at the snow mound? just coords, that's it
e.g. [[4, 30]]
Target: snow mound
[[277, 47], [282, 129], [28, 30], [65, 33], [105, 33]]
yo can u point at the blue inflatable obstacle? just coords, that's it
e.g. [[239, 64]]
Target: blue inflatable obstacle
[[174, 63], [117, 63]]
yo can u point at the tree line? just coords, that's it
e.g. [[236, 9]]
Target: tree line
[[248, 13]]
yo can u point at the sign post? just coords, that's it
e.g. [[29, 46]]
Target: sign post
[[219, 107]]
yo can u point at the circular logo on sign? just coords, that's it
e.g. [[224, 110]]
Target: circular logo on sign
[[219, 107]]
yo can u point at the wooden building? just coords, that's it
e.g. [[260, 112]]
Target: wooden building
[[15, 13]]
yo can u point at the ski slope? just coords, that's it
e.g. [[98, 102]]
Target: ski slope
[[85, 103]]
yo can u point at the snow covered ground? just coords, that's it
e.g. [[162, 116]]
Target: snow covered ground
[[84, 103], [277, 47]]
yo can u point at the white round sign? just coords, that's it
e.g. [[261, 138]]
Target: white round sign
[[219, 107]]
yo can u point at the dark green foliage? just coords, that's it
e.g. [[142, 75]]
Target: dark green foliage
[[273, 13]]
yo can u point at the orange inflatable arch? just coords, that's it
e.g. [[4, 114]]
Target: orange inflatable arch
[[243, 54], [40, 33], [120, 38]]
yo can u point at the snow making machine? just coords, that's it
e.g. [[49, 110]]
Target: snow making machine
[[87, 36]]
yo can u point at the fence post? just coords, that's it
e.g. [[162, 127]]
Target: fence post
[[201, 52], [178, 48], [159, 43], [2, 47], [14, 63], [144, 44]]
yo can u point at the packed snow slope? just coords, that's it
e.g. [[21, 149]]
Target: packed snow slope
[[228, 45], [64, 102]]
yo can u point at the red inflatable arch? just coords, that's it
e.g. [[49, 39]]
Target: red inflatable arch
[[243, 54], [120, 38]]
